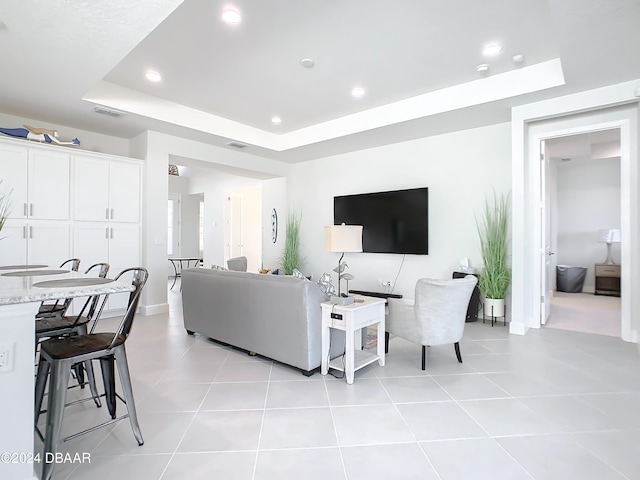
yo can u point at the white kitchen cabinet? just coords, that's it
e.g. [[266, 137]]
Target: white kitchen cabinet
[[38, 242], [69, 203], [106, 190], [38, 180], [115, 243]]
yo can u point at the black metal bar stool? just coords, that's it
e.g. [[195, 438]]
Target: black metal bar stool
[[57, 357]]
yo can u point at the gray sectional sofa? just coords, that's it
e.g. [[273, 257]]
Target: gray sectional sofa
[[278, 317]]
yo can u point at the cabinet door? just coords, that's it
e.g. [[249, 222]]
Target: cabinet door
[[48, 243], [124, 252], [90, 189], [49, 185], [13, 243], [90, 244], [124, 192], [13, 161]]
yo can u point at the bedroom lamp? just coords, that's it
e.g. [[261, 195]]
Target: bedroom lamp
[[609, 236], [344, 239]]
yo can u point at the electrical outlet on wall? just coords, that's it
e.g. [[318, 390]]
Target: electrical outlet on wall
[[6, 357]]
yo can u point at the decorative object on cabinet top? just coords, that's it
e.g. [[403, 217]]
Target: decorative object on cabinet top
[[37, 134], [173, 170]]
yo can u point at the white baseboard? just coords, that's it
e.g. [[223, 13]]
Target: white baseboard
[[518, 328], [154, 309]]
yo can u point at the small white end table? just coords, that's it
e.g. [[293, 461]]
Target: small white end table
[[351, 319]]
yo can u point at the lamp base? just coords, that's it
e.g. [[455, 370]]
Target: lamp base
[[342, 300]]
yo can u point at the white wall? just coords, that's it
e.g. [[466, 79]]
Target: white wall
[[588, 200], [460, 169]]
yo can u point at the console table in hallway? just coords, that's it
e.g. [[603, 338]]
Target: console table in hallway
[[183, 262]]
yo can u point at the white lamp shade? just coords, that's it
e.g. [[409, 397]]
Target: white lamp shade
[[343, 238], [611, 235]]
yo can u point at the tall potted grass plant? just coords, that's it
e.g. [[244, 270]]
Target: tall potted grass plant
[[493, 233], [291, 259]]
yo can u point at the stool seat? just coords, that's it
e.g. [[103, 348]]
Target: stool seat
[[54, 324], [69, 347]]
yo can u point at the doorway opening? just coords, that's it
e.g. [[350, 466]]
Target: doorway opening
[[583, 202]]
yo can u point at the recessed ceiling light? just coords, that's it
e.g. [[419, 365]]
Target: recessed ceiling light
[[518, 59], [357, 92], [276, 120], [492, 49], [231, 16], [153, 76], [482, 68], [307, 62]]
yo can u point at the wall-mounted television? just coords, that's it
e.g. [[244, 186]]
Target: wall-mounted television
[[393, 222]]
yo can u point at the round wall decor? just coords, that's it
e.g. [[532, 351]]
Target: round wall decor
[[274, 225]]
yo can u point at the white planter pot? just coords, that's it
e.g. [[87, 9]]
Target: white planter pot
[[494, 307]]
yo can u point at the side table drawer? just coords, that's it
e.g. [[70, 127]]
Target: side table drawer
[[607, 270]]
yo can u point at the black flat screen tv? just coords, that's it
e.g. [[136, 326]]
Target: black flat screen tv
[[393, 222]]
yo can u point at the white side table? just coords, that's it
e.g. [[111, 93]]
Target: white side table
[[351, 319]]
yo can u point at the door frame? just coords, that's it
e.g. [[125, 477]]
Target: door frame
[[568, 116]]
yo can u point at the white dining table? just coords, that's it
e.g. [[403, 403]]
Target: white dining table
[[21, 292]]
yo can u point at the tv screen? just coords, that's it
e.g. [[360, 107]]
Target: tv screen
[[393, 222]]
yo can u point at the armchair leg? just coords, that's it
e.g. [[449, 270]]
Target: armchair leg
[[386, 342], [457, 347], [424, 356]]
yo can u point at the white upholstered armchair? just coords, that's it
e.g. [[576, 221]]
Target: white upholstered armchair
[[435, 317]]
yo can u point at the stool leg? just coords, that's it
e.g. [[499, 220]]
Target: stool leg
[[125, 380], [88, 366], [424, 356], [58, 384], [41, 382], [108, 377]]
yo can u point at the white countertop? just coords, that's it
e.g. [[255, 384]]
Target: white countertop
[[21, 289]]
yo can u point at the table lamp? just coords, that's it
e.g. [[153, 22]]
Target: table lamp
[[345, 239], [609, 236]]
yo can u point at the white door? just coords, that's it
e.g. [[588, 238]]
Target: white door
[[13, 243], [48, 243], [547, 267], [124, 252], [49, 185], [124, 192], [91, 189], [13, 162], [91, 244], [236, 226]]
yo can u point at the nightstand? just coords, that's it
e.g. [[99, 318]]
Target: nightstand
[[364, 312], [607, 279]]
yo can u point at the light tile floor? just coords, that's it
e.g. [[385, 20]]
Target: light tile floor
[[550, 405]]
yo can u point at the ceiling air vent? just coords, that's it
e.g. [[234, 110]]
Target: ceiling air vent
[[237, 145], [110, 112]]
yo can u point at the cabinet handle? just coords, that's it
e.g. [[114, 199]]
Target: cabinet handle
[[30, 232], [24, 230], [111, 232], [31, 209], [106, 233], [112, 214], [106, 213], [24, 210]]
